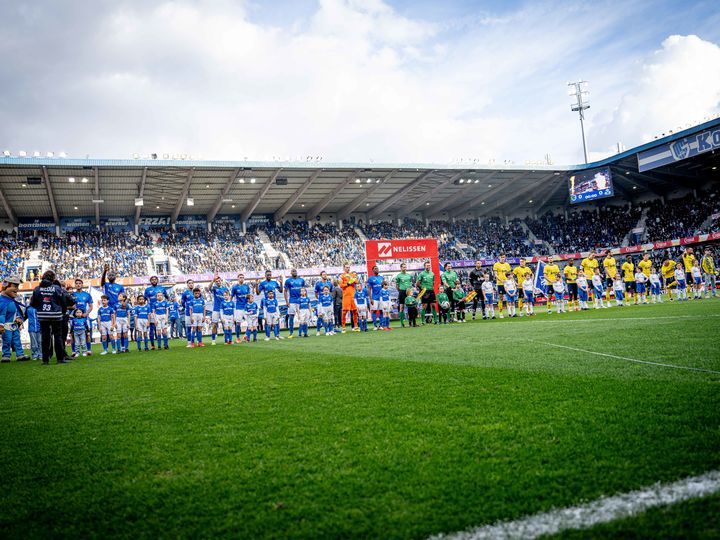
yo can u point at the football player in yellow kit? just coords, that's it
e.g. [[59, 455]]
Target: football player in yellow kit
[[571, 273], [628, 270], [611, 271], [521, 272], [552, 274], [589, 264], [501, 269]]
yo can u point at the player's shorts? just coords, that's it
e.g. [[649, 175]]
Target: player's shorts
[[304, 316], [640, 288], [401, 297], [239, 315], [374, 304], [362, 311], [681, 285], [609, 282], [500, 290], [559, 294], [161, 322], [228, 321], [529, 297], [271, 318], [215, 317], [698, 280], [655, 288], [196, 319], [582, 295], [489, 299], [142, 325], [572, 290], [251, 320], [429, 297], [509, 298], [188, 319], [688, 277], [384, 305], [599, 291], [326, 313], [293, 309], [630, 286], [105, 328], [122, 324], [619, 296]]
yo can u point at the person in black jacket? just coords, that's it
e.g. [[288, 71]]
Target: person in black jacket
[[476, 279], [50, 301]]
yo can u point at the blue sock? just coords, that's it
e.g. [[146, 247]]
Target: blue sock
[[214, 335], [267, 330], [166, 341], [189, 333], [89, 345], [138, 343], [247, 334], [277, 329], [319, 323], [199, 336], [73, 346], [237, 330], [105, 345], [291, 323], [374, 318], [254, 335]]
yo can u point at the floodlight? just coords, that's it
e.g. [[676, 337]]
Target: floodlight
[[22, 153], [62, 154], [241, 180], [252, 180], [6, 153], [84, 180], [190, 201], [357, 180], [71, 179], [50, 154], [36, 154], [139, 201], [462, 181]]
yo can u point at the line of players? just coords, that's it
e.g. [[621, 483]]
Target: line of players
[[235, 307]]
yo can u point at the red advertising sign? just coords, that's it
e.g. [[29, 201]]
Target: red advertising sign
[[379, 251]]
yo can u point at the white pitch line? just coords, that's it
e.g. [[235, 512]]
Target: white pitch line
[[689, 368], [599, 511], [560, 318]]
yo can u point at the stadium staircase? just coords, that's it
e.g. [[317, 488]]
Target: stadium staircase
[[547, 248], [640, 223], [271, 254], [706, 226], [361, 235]]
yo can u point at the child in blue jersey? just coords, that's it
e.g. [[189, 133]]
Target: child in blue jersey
[[198, 314], [227, 318], [489, 293], [251, 318], [122, 324], [271, 313], [385, 306], [583, 289], [35, 334], [239, 293], [131, 323], [174, 318], [106, 324], [681, 287], [141, 312], [160, 316], [84, 302], [655, 286], [79, 330], [599, 290], [326, 314], [303, 312], [218, 289], [362, 304]]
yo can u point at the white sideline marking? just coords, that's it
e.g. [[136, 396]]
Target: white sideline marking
[[626, 358], [595, 512], [560, 319]]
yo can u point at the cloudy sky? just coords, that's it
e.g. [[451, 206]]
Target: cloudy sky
[[352, 80]]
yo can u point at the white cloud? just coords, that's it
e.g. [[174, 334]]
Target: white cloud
[[353, 81], [677, 85]]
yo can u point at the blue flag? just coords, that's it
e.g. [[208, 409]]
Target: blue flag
[[540, 284]]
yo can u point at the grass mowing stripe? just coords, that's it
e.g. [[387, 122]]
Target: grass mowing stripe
[[600, 511], [689, 368]]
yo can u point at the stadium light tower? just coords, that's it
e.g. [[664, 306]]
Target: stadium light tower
[[579, 92]]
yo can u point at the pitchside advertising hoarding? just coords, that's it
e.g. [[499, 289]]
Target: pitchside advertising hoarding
[[679, 150], [382, 251]]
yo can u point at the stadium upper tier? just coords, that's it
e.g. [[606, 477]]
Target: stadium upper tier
[[177, 192]]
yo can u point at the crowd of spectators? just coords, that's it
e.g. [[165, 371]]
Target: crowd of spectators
[[682, 217], [316, 246], [83, 253], [226, 249], [14, 250], [605, 226]]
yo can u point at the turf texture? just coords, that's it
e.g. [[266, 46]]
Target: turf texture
[[399, 434]]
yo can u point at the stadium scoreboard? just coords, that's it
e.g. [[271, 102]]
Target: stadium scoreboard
[[590, 185]]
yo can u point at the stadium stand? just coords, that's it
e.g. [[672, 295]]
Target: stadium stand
[[681, 217]]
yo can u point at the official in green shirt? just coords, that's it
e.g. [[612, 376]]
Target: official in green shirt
[[426, 280], [403, 282], [449, 279]]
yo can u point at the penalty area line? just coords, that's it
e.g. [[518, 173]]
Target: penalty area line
[[602, 510], [635, 360]]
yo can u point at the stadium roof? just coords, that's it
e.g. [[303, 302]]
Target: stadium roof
[[42, 187]]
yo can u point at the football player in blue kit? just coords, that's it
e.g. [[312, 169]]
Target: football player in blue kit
[[293, 285], [239, 292], [84, 302], [110, 288], [186, 305], [374, 285], [151, 295], [218, 288]]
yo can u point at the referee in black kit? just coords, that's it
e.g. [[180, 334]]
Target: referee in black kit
[[476, 279]]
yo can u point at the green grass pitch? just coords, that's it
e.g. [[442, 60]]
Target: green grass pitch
[[398, 434]]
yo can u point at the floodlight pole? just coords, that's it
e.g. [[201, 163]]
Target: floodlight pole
[[579, 106]]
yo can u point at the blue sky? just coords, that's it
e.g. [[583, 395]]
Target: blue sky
[[352, 80]]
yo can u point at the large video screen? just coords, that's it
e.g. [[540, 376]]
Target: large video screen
[[591, 185]]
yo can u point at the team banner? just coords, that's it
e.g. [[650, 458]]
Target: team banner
[[377, 251], [148, 222], [37, 224], [233, 220], [679, 150], [540, 284], [77, 224], [116, 223], [191, 222]]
